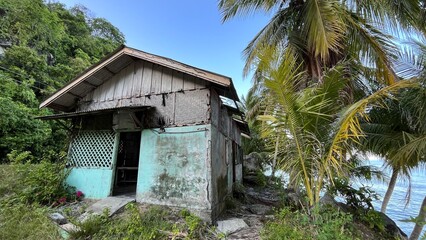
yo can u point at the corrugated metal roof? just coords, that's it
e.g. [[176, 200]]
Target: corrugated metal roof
[[65, 98]]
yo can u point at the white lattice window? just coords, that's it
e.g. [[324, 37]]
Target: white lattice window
[[92, 149]]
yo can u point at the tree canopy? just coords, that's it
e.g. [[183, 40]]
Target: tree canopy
[[45, 45]]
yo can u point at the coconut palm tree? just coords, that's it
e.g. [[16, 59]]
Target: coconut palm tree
[[386, 131], [317, 125], [319, 65], [421, 218], [398, 133], [322, 33]]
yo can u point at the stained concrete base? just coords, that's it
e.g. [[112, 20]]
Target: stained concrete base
[[112, 203]]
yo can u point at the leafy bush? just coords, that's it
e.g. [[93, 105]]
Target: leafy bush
[[10, 181], [356, 198], [372, 218], [322, 224], [359, 202], [43, 183], [261, 179]]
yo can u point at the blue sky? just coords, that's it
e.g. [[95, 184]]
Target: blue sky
[[189, 31]]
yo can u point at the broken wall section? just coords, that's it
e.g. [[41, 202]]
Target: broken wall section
[[225, 153]]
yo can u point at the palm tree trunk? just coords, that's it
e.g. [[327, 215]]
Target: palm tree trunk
[[389, 192], [274, 161], [421, 218]]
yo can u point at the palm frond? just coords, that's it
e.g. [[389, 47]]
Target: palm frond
[[231, 8], [323, 27], [348, 127]]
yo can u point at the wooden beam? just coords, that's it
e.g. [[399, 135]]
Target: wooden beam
[[135, 119], [74, 95], [92, 85]]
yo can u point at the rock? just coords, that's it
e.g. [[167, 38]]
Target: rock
[[247, 233], [58, 218], [392, 228], [113, 204], [327, 199], [252, 163], [265, 196], [259, 209], [69, 227], [250, 179], [231, 225]]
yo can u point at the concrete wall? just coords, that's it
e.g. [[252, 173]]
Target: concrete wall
[[174, 168], [95, 183]]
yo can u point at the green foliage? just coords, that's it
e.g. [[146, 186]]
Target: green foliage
[[194, 224], [20, 221], [136, 225], [261, 179], [10, 181], [359, 202], [19, 131], [361, 198], [50, 44], [43, 183], [89, 227], [322, 224], [372, 218]]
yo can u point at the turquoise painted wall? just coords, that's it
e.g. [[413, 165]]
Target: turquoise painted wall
[[95, 183], [174, 167]]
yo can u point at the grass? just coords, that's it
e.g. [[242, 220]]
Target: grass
[[19, 220], [24, 217], [321, 224], [9, 181]]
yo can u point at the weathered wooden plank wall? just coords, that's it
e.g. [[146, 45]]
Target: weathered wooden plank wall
[[142, 78], [180, 98], [222, 119]]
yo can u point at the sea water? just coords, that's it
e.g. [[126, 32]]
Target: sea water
[[397, 208]]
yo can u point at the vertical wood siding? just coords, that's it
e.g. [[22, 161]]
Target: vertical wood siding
[[142, 78], [180, 98]]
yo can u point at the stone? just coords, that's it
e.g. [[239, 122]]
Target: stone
[[252, 163], [231, 225], [58, 218], [69, 227], [259, 209], [113, 204], [392, 228]]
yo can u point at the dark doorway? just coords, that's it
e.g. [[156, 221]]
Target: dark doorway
[[126, 173]]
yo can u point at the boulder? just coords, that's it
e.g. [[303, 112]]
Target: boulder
[[260, 209], [392, 228], [58, 218], [231, 225], [252, 163]]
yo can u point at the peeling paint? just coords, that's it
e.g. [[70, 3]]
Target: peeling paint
[[172, 167]]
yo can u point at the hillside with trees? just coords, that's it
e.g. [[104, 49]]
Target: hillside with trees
[[44, 45]]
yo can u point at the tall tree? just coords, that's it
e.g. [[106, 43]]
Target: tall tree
[[323, 63], [50, 44]]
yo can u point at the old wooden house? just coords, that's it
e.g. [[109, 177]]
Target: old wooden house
[[167, 132]]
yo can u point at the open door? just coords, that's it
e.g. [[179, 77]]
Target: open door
[[126, 172]]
